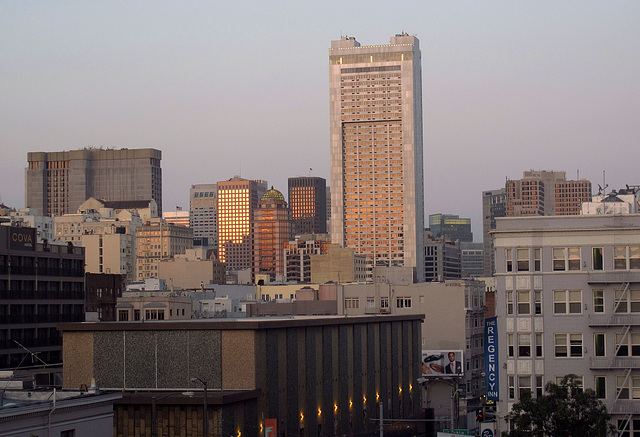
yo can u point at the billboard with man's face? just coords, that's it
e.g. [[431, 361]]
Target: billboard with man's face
[[442, 363]]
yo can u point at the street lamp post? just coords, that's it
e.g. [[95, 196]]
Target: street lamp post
[[205, 425]]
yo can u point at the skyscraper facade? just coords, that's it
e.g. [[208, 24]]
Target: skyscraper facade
[[271, 230], [450, 226], [203, 214], [493, 206], [237, 200], [308, 205], [377, 181], [56, 183]]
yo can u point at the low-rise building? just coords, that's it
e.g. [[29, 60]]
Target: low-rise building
[[192, 270], [339, 264], [156, 241]]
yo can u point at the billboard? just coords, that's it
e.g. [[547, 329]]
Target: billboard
[[22, 238], [491, 358], [442, 363]]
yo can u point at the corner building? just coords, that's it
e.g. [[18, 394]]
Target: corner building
[[377, 181], [568, 301]]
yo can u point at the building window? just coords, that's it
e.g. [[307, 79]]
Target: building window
[[512, 387], [566, 258], [68, 433], [522, 260], [567, 301], [568, 345], [598, 301], [537, 295], [598, 344], [537, 260], [123, 315], [351, 302], [510, 351], [524, 302], [539, 348], [627, 301], [601, 387], [509, 257], [539, 386], [628, 344], [371, 302], [628, 387], [509, 302], [384, 302], [597, 259], [403, 302], [524, 385], [136, 315], [620, 258], [524, 345]]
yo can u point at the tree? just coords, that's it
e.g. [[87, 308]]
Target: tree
[[565, 410]]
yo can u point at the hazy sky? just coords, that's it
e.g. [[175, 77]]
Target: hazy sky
[[241, 88]]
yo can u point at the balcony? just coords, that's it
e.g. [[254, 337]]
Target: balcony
[[614, 363], [614, 320], [610, 277], [625, 406]]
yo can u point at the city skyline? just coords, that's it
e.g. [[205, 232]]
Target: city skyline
[[506, 88]]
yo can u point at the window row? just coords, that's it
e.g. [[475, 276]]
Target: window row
[[570, 259]]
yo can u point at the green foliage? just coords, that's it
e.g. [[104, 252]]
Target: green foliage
[[565, 410]]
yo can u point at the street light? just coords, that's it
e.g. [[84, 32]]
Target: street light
[[205, 425]]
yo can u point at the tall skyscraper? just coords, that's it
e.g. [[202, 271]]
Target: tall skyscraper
[[237, 200], [308, 205], [203, 214], [271, 230], [58, 182], [377, 181], [450, 226]]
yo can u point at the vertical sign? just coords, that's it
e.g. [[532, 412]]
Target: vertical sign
[[270, 427], [491, 357]]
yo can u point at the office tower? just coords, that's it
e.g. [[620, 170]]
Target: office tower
[[545, 193], [271, 230], [158, 240], [41, 285], [493, 206], [472, 259], [450, 226], [442, 259], [308, 205], [58, 182], [569, 293], [203, 214], [237, 200], [377, 187]]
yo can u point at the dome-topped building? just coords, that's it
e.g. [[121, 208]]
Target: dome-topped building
[[272, 194]]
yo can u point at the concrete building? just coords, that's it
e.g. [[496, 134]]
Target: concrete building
[[298, 253], [450, 226], [624, 201], [308, 205], [237, 200], [178, 218], [146, 209], [191, 270], [58, 182], [442, 259], [29, 218], [339, 265], [203, 214], [271, 231], [152, 305], [493, 206], [314, 376], [40, 286], [545, 193], [102, 291], [472, 259], [567, 302], [157, 240], [377, 180]]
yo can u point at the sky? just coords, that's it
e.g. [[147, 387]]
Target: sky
[[242, 88]]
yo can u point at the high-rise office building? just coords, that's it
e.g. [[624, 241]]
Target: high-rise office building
[[237, 200], [450, 226], [271, 230], [308, 205], [58, 182], [377, 181], [203, 214], [545, 193], [493, 206]]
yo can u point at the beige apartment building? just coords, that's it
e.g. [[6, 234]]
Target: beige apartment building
[[157, 240], [339, 264], [377, 181], [145, 305], [191, 270]]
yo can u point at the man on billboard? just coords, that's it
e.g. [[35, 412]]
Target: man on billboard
[[453, 367]]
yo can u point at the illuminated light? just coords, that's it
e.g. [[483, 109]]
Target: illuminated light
[[410, 387], [335, 408], [350, 403], [319, 411], [377, 397], [399, 389], [364, 399], [301, 417], [239, 433]]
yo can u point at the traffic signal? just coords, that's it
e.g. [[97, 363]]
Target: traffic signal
[[480, 414]]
